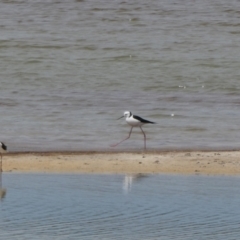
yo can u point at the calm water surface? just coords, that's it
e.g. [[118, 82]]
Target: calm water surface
[[69, 69], [48, 206]]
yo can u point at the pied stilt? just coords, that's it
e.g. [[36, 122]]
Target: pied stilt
[[3, 148], [134, 121]]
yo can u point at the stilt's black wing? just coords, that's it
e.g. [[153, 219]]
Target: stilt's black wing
[[4, 146], [142, 120]]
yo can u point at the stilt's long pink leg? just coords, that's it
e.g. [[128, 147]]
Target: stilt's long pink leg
[[1, 163], [144, 138], [1, 173], [114, 145]]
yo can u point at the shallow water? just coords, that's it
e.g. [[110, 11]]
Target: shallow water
[[58, 206], [69, 69]]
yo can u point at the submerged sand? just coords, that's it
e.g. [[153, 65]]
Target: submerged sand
[[202, 162]]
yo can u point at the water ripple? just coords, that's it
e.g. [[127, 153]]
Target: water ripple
[[94, 206], [63, 63]]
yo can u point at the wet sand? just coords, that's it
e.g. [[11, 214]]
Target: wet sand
[[208, 162]]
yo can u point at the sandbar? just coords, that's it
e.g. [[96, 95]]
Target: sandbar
[[169, 162]]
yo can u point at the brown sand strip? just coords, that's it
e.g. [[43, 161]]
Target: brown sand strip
[[214, 163]]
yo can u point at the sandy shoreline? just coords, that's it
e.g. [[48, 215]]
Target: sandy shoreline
[[197, 162]]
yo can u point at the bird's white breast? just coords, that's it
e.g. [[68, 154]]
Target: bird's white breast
[[133, 122]]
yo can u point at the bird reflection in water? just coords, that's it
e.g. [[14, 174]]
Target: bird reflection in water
[[2, 190], [129, 179]]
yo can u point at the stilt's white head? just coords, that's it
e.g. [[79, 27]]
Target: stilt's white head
[[126, 114]]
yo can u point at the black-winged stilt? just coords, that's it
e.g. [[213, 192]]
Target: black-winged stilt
[[134, 121], [3, 148]]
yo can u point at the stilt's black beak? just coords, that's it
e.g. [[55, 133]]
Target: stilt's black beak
[[120, 117]]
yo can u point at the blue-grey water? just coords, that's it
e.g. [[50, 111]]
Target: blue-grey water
[[59, 206], [69, 69]]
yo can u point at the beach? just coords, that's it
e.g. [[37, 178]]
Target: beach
[[170, 162]]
